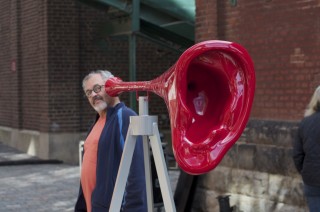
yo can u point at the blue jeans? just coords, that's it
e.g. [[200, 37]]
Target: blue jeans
[[313, 203], [312, 194]]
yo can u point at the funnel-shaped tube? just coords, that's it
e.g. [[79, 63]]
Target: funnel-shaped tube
[[209, 94]]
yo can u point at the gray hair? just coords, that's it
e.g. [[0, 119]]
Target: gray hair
[[314, 104], [104, 74]]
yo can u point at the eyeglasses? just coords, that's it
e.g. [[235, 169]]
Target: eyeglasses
[[96, 89]]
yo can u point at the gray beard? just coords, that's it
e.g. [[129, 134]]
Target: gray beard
[[101, 107]]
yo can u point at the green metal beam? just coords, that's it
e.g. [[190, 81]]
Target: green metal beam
[[123, 6], [160, 33], [114, 28], [135, 27], [183, 10], [135, 15]]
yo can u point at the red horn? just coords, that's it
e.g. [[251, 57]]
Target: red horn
[[209, 94]]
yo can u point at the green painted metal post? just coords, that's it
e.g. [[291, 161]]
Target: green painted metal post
[[135, 27], [132, 68]]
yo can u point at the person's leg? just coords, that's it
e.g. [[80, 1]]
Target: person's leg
[[313, 203]]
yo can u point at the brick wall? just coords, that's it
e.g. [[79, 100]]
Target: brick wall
[[33, 70], [206, 20], [63, 66], [23, 67], [8, 54]]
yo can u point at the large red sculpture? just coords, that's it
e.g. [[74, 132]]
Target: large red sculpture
[[209, 94]]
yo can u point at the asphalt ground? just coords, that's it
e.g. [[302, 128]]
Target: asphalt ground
[[30, 184]]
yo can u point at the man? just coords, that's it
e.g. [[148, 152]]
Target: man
[[103, 149]]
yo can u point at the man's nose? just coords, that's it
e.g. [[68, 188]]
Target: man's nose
[[93, 94]]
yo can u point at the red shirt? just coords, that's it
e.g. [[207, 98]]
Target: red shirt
[[89, 163]]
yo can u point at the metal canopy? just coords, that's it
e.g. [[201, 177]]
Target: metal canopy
[[165, 21]]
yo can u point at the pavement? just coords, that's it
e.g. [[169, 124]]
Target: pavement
[[30, 184]]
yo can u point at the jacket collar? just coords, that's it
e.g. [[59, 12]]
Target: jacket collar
[[112, 110]]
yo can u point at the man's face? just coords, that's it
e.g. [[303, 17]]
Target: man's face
[[100, 100]]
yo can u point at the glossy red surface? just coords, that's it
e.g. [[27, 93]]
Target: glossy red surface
[[209, 94]]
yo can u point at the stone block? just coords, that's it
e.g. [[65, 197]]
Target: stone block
[[231, 158], [248, 183], [252, 204], [205, 200], [217, 180], [246, 156], [287, 190], [270, 159]]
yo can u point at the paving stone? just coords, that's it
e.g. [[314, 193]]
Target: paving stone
[[41, 187]]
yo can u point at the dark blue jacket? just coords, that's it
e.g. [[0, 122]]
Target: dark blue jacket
[[109, 153], [306, 149]]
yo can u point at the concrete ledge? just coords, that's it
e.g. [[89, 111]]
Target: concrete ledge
[[48, 146], [250, 190], [264, 146]]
